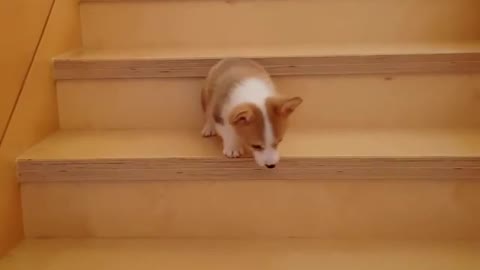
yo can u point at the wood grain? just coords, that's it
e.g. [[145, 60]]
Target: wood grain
[[220, 169], [93, 1], [84, 68], [89, 156]]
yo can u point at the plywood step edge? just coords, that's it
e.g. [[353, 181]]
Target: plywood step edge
[[148, 156], [218, 169], [109, 1], [93, 1], [158, 64]]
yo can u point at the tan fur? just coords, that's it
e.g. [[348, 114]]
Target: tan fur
[[279, 108], [247, 119], [223, 77], [249, 129]]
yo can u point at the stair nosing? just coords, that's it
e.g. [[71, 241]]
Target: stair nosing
[[71, 67], [207, 169]]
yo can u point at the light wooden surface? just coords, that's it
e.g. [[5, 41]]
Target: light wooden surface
[[18, 47], [420, 101], [308, 155], [124, 66], [222, 24], [235, 255], [274, 50], [329, 209], [329, 142], [35, 115]]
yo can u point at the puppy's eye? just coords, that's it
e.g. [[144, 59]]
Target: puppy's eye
[[257, 147]]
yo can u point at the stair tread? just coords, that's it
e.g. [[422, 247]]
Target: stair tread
[[270, 51], [135, 155], [145, 254], [94, 144]]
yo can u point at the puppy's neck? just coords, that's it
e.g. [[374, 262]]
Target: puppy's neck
[[251, 90]]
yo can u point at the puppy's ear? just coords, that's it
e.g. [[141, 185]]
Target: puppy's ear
[[241, 115], [285, 106]]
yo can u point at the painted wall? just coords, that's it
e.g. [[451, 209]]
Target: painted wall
[[27, 74], [16, 53], [21, 22]]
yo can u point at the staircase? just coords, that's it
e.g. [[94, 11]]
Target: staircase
[[380, 169]]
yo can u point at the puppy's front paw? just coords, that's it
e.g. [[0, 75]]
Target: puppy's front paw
[[209, 131], [233, 152]]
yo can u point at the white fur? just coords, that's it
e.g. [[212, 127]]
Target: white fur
[[231, 145], [254, 91]]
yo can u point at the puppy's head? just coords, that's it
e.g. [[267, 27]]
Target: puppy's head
[[262, 128]]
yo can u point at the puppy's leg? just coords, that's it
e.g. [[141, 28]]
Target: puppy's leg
[[232, 148], [209, 128]]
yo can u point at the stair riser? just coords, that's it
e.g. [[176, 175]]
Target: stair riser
[[229, 24], [240, 254], [359, 209], [436, 100]]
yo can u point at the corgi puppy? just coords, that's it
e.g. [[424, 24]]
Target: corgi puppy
[[242, 105]]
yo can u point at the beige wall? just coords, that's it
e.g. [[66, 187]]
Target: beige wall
[[16, 53], [21, 23], [35, 114]]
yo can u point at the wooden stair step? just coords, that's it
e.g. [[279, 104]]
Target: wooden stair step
[[146, 254], [165, 63], [446, 100], [348, 184], [329, 208], [219, 23], [307, 155]]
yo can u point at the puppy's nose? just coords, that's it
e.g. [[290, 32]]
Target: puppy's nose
[[270, 166]]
